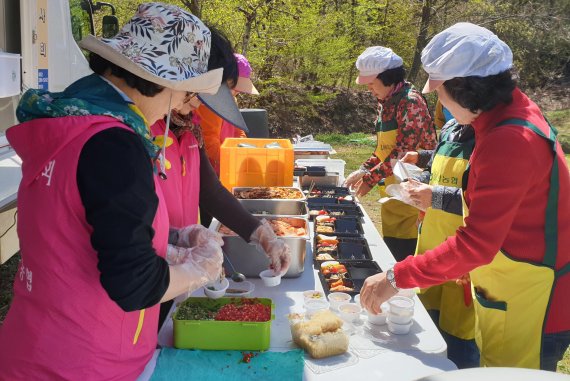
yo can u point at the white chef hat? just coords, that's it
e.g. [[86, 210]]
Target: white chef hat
[[464, 50], [375, 60]]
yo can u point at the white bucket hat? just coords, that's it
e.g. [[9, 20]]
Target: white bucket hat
[[164, 45], [375, 60], [464, 50]]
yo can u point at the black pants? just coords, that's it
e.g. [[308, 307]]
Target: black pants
[[401, 247]]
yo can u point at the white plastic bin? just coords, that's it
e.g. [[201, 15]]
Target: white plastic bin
[[331, 165], [10, 74]]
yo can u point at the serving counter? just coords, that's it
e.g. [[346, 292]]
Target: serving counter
[[373, 354]]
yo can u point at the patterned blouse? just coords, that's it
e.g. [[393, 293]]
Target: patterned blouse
[[415, 131]]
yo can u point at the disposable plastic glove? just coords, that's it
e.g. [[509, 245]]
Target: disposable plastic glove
[[278, 252], [203, 264], [197, 235], [354, 177]]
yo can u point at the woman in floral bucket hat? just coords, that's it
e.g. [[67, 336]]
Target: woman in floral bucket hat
[[92, 223], [516, 234]]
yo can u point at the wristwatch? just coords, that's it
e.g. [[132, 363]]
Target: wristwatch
[[391, 278]]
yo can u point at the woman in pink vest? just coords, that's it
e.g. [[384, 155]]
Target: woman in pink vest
[[92, 223], [190, 180]]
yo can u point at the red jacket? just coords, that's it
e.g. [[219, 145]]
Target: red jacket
[[506, 194]]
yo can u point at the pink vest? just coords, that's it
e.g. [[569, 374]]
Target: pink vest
[[62, 325], [182, 186]]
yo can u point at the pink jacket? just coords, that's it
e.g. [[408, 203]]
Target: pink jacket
[[62, 325], [182, 186]]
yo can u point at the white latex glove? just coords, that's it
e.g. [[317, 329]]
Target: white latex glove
[[354, 177], [202, 264], [278, 252], [417, 194], [176, 255], [197, 235]]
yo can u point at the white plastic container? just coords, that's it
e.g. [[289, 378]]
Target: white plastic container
[[216, 289], [338, 298], [401, 305], [314, 295], [349, 312], [379, 319], [269, 279], [10, 74], [312, 306], [398, 329]]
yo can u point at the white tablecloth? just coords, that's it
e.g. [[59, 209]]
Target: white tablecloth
[[395, 357]]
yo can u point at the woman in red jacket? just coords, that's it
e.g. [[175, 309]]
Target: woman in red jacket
[[515, 241]]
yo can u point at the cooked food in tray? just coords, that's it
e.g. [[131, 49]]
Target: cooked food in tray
[[336, 276], [283, 227], [326, 247], [269, 193]]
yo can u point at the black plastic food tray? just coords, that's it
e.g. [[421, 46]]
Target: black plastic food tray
[[333, 200], [344, 227], [349, 210], [348, 249], [328, 191], [358, 271]]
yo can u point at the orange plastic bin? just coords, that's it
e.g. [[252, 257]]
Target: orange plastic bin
[[259, 166]]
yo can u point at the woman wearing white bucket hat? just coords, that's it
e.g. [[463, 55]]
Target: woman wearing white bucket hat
[[93, 226], [403, 124], [516, 236]]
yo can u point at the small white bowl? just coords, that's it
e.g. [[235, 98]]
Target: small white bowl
[[400, 319], [338, 298], [314, 305], [401, 305], [216, 289], [379, 319], [314, 294], [398, 329], [349, 311], [357, 299], [269, 278]]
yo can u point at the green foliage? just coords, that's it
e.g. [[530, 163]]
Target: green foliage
[[561, 121], [355, 138]]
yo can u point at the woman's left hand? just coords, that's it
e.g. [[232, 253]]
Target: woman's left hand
[[376, 290], [420, 194]]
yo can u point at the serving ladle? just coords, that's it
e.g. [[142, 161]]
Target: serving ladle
[[236, 276]]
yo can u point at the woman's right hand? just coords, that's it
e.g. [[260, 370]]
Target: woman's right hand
[[354, 178], [410, 157], [196, 235], [202, 264]]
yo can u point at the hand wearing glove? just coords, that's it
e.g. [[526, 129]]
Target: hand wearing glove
[[354, 177], [202, 264], [197, 235], [278, 252]]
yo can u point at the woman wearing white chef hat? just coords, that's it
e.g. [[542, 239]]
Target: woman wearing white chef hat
[[516, 236], [403, 124]]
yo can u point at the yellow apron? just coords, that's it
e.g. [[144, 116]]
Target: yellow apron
[[456, 311], [512, 296], [398, 219]]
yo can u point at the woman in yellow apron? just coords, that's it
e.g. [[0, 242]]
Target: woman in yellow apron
[[403, 124], [450, 304], [516, 236]]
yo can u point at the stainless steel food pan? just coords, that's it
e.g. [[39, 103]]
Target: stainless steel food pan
[[249, 261], [276, 207], [237, 189]]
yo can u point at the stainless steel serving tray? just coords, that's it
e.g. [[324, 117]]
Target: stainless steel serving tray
[[250, 262], [276, 207], [238, 189]]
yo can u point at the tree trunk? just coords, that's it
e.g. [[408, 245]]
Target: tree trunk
[[422, 39], [194, 6], [247, 33]]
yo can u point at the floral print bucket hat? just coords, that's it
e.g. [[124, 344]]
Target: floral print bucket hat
[[163, 44]]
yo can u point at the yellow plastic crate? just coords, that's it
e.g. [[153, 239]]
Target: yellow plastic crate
[[259, 166]]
